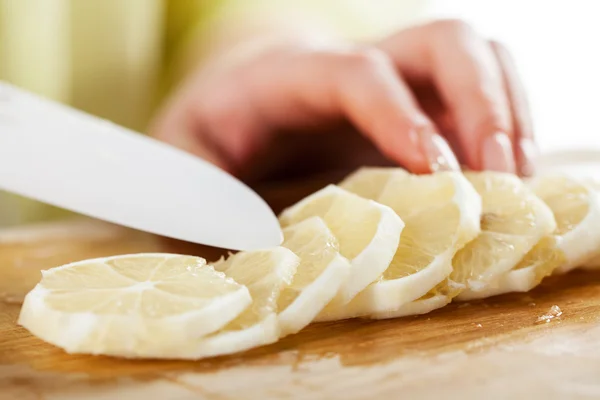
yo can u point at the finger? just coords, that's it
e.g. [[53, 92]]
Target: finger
[[524, 142], [466, 73], [364, 88]]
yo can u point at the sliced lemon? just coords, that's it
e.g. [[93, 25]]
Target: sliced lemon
[[436, 298], [540, 262], [132, 304], [367, 232], [441, 213], [321, 273], [593, 263], [513, 221], [369, 182], [576, 208], [265, 273]]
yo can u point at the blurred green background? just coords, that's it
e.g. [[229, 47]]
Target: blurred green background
[[118, 59]]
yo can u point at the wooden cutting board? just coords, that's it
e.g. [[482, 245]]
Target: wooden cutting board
[[502, 347]]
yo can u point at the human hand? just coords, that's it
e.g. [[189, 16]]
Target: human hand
[[410, 94]]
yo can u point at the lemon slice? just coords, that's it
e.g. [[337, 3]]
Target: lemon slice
[[592, 264], [441, 213], [513, 221], [438, 297], [132, 304], [367, 232], [576, 208], [265, 273], [369, 182], [321, 273], [540, 262]]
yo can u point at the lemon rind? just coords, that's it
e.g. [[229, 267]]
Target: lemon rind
[[313, 298], [417, 307]]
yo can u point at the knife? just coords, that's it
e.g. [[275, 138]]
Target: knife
[[60, 156]]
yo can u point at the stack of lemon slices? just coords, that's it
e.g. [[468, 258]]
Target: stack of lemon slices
[[441, 214], [383, 243], [594, 262]]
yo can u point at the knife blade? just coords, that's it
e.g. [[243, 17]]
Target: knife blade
[[64, 157]]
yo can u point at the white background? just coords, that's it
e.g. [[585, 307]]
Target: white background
[[556, 44]]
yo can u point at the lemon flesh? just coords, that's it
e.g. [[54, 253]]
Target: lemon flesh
[[131, 305], [265, 273], [320, 274], [513, 221], [441, 213], [576, 208], [367, 233]]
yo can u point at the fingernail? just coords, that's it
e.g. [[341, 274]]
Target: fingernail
[[528, 153], [498, 154], [439, 154]]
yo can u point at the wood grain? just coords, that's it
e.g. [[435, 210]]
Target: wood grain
[[496, 348]]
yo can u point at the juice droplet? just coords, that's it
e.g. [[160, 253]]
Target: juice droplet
[[553, 312]]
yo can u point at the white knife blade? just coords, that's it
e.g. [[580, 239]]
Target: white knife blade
[[60, 156]]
